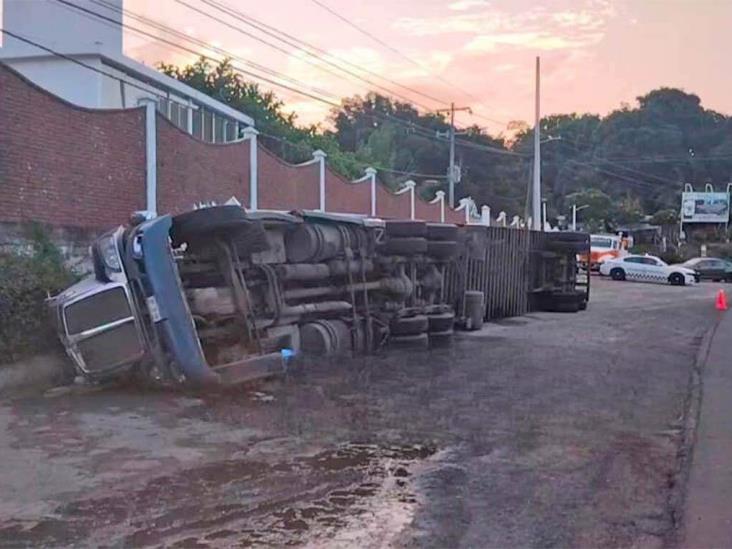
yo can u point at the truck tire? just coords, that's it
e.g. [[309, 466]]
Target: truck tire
[[442, 249], [218, 219], [406, 228], [411, 325], [405, 246], [441, 339], [564, 306], [441, 231], [417, 341], [441, 322]]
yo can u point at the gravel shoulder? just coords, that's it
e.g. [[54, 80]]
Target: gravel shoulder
[[545, 430]]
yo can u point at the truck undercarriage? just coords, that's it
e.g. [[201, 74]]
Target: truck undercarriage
[[219, 295]]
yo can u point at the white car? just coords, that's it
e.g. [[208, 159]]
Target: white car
[[647, 268]]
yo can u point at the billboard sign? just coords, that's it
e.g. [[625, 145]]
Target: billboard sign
[[704, 207]]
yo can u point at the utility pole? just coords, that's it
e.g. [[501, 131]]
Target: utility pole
[[451, 175], [536, 196]]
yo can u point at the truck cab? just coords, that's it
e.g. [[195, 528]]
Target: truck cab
[[604, 247]]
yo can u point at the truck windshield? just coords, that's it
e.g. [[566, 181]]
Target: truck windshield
[[601, 242]]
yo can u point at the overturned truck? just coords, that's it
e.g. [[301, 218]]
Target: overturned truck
[[222, 296]]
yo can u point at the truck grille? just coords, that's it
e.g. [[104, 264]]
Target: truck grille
[[111, 348], [99, 309]]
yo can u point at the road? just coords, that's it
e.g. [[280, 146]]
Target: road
[[542, 431]]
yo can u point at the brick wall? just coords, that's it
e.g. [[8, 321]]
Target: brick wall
[[67, 166], [191, 171], [282, 186], [64, 165]]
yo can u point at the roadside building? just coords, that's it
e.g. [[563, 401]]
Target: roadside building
[[79, 57]]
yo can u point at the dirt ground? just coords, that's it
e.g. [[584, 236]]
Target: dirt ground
[[551, 430]]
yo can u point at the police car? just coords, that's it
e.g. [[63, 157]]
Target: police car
[[648, 268]]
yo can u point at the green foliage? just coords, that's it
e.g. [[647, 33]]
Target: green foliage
[[665, 217], [25, 282], [638, 156], [672, 256], [598, 208]]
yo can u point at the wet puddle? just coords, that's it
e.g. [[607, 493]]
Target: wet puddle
[[355, 494]]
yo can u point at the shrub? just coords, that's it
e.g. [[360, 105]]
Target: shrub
[[671, 257], [26, 280]]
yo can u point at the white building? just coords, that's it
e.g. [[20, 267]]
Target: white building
[[91, 70]]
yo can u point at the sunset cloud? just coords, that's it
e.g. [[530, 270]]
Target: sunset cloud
[[464, 5], [530, 40], [606, 51]]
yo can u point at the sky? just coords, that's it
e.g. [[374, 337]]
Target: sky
[[595, 54]]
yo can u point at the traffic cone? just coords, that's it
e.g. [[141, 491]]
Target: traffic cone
[[721, 300]]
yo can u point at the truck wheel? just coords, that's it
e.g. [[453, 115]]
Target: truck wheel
[[405, 246], [677, 279], [583, 305], [411, 325], [441, 339], [417, 341], [617, 274], [441, 322], [218, 220]]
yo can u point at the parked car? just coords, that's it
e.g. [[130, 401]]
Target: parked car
[[710, 268], [648, 268]]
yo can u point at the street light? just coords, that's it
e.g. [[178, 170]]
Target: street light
[[575, 209]]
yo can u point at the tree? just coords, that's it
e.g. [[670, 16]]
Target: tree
[[278, 129], [631, 162]]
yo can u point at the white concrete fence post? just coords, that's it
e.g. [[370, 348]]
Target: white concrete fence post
[[409, 186], [467, 204], [485, 215], [370, 175], [320, 156], [440, 199], [250, 134], [151, 157]]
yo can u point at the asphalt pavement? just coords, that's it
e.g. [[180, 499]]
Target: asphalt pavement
[[551, 430], [708, 513]]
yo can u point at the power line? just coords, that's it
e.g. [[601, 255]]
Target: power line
[[668, 160], [160, 26], [398, 52], [427, 132], [293, 42], [197, 53], [622, 167], [641, 184], [87, 66]]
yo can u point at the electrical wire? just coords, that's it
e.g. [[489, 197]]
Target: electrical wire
[[391, 48], [87, 66], [426, 132], [227, 54], [293, 43], [197, 53]]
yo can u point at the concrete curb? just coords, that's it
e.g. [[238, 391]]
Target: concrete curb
[[689, 425], [36, 373]]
